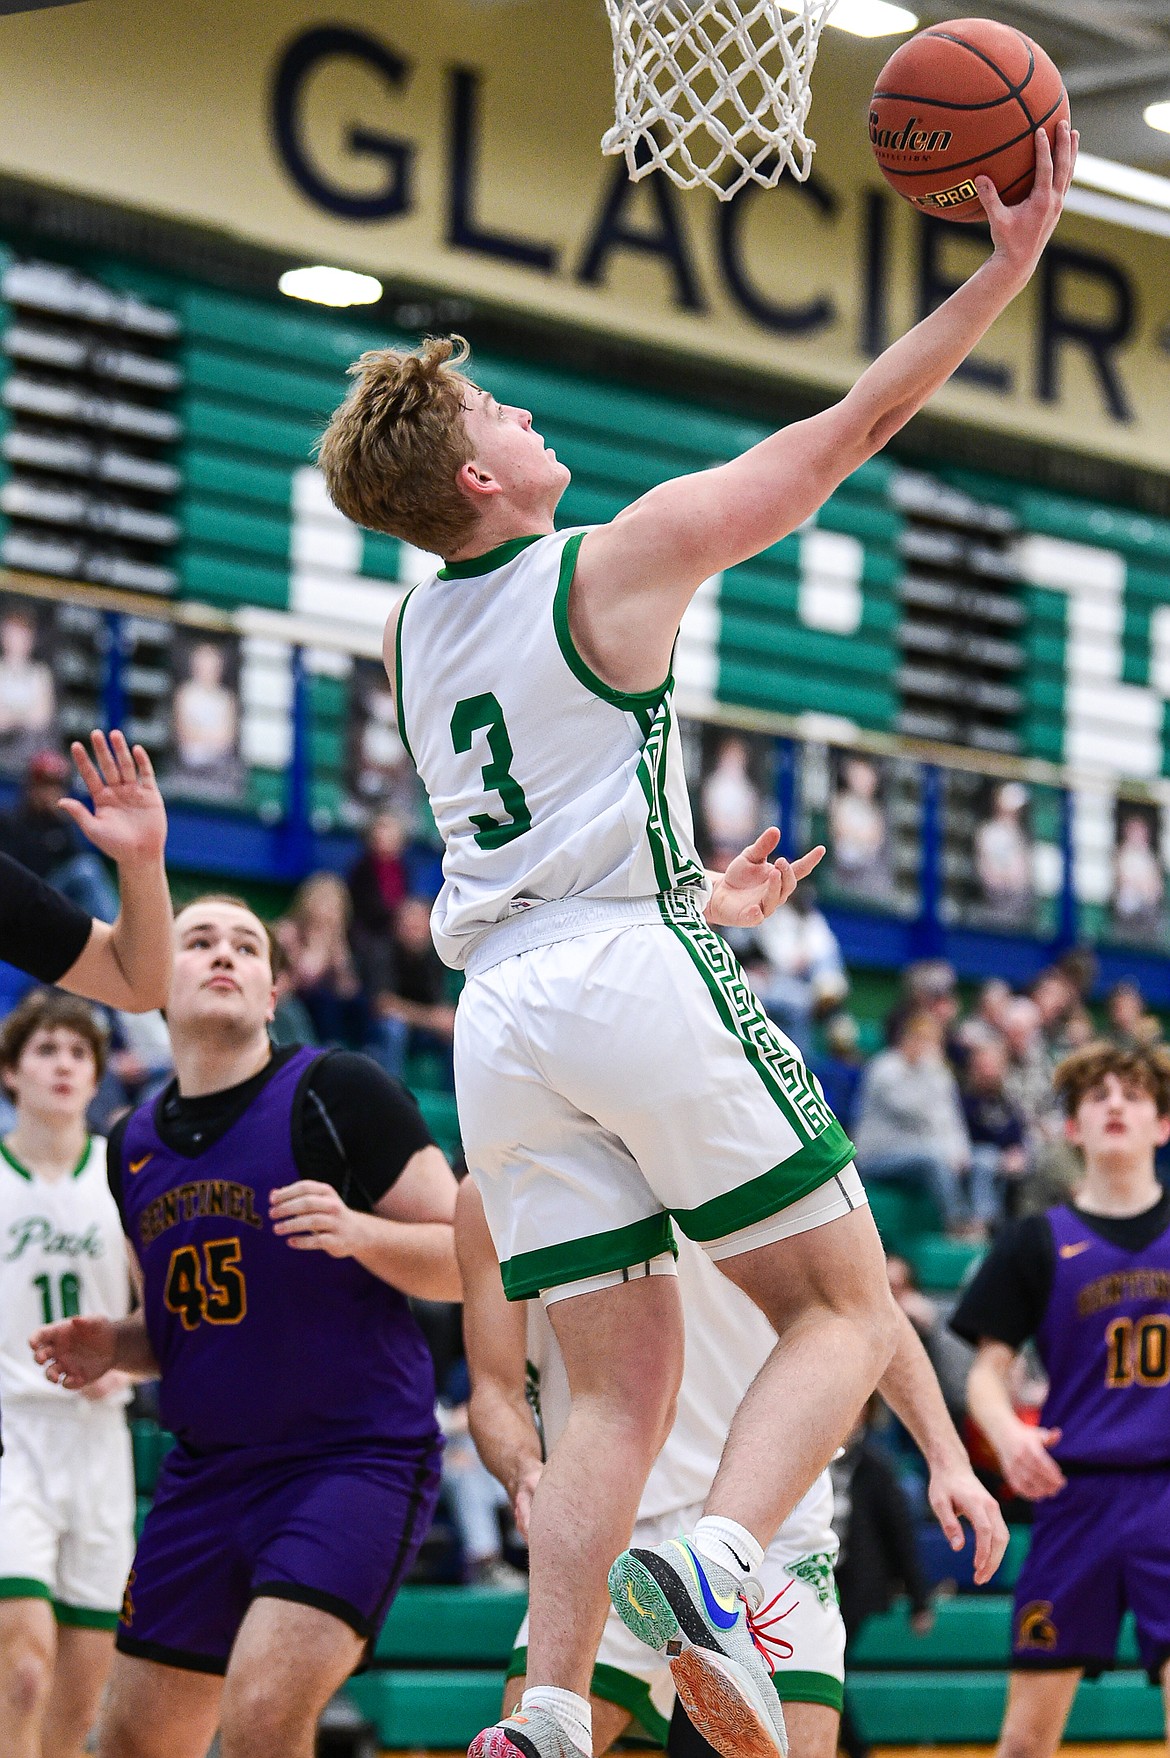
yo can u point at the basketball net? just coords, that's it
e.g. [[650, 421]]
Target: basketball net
[[714, 92]]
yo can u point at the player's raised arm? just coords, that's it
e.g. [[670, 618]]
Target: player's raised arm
[[126, 965], [502, 1426], [642, 568]]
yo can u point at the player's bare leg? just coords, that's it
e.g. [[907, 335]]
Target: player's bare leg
[[154, 1711], [27, 1650], [610, 1721], [828, 1297], [287, 1662], [623, 1352], [1037, 1709], [84, 1658], [812, 1729]]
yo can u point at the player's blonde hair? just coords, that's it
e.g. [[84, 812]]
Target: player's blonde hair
[[393, 450], [1148, 1066]]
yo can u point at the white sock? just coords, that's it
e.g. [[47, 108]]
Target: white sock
[[730, 1545], [571, 1713]]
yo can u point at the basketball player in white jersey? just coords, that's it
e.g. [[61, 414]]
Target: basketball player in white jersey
[[517, 1417], [67, 1487], [613, 1068]]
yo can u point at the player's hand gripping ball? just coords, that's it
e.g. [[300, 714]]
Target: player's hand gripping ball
[[959, 101]]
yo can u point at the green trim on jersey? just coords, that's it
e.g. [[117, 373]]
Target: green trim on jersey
[[17, 1166], [826, 1150], [611, 1685], [805, 1687], [499, 557], [628, 699], [551, 1266], [398, 709], [672, 871], [24, 1587], [84, 1617]]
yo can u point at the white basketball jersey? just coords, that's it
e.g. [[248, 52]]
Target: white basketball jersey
[[61, 1253], [544, 782], [728, 1339]]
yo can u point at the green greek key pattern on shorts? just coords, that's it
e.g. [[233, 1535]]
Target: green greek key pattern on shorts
[[816, 1571], [792, 1084]]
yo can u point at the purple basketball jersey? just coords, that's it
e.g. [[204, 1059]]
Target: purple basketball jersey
[[259, 1344], [1105, 1344]]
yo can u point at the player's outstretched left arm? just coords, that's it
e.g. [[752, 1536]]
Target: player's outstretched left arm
[[408, 1240], [636, 575], [754, 885], [126, 965], [910, 1387]]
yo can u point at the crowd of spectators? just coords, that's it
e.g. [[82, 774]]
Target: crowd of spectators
[[950, 1094]]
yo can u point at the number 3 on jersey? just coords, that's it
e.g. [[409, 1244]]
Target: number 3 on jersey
[[214, 1291], [472, 715]]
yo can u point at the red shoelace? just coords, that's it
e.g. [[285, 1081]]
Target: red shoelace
[[760, 1626]]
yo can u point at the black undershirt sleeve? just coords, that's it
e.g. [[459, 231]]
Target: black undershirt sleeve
[[1006, 1300], [357, 1128], [41, 932], [114, 1162]]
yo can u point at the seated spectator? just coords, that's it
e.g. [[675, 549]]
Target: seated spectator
[[910, 1124], [989, 1016], [377, 881], [1055, 1167], [997, 1128], [840, 1069], [1057, 997], [930, 986], [477, 1502], [41, 837], [1131, 1025], [416, 994], [796, 968], [314, 940]]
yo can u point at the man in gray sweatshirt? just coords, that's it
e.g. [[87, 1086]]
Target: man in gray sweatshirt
[[910, 1123]]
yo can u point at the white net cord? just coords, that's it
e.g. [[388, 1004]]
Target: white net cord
[[715, 93]]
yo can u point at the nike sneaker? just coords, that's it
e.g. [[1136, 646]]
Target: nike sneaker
[[535, 1735], [717, 1639]]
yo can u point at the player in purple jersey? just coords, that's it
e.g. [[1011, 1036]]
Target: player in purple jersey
[[1089, 1283], [282, 1206]]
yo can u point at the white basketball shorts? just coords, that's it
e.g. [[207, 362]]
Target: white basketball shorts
[[67, 1508], [625, 1077], [797, 1572]]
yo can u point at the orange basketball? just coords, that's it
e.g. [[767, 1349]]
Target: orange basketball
[[960, 100]]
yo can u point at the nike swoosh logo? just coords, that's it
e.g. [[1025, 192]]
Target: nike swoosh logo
[[137, 1165], [1075, 1250], [724, 1615]]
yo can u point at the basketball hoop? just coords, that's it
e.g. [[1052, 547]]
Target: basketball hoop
[[714, 92]]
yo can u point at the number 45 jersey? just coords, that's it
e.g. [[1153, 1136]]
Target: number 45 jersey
[[61, 1253], [260, 1344], [544, 782]]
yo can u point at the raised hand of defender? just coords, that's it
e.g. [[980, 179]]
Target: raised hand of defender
[[128, 821], [956, 1494], [754, 885], [1028, 1467], [1020, 233], [76, 1352]]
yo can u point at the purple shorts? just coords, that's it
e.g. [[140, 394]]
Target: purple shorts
[[1099, 1547], [337, 1528]]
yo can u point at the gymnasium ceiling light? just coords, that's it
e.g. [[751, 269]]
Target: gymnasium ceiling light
[[1120, 194], [1158, 116], [327, 286], [868, 18]]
